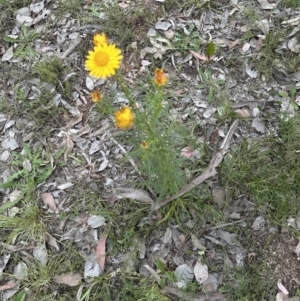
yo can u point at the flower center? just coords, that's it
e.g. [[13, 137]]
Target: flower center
[[101, 58]]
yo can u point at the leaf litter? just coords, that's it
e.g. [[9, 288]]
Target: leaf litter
[[84, 230]]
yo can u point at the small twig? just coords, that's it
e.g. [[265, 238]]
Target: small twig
[[71, 48], [223, 225], [209, 172]]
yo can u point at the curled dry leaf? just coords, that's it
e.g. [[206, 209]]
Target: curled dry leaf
[[70, 279], [51, 241], [48, 200], [100, 251], [199, 56], [135, 194], [187, 152]]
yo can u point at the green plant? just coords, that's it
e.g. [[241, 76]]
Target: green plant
[[50, 70], [127, 288], [125, 25], [167, 275], [53, 71], [25, 43], [209, 83], [184, 42], [94, 10], [290, 3], [251, 13], [30, 169], [243, 284], [26, 225], [268, 171]]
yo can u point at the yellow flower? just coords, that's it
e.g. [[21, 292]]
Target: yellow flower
[[160, 78], [124, 118], [100, 39], [96, 96], [144, 144], [103, 61]]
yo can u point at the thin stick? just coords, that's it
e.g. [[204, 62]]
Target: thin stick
[[224, 225]]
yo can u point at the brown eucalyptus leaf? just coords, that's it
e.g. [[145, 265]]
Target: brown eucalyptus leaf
[[70, 279], [48, 200], [100, 251]]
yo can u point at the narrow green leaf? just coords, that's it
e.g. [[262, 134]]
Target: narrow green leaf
[[21, 296], [160, 266], [210, 50]]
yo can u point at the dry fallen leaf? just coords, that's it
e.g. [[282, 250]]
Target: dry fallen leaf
[[246, 47], [282, 288], [70, 279], [51, 241], [201, 272], [48, 200], [187, 152], [100, 251], [8, 54], [9, 286], [244, 112], [70, 145], [196, 242], [199, 56], [259, 125], [183, 275], [135, 194], [266, 5], [169, 34], [74, 120], [281, 297]]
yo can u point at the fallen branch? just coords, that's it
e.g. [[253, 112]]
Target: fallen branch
[[209, 172]]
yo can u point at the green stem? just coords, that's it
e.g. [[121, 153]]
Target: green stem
[[157, 106]]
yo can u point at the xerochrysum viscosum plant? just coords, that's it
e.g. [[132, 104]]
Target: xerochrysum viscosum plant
[[154, 130]]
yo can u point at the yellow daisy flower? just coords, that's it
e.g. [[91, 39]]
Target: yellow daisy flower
[[160, 78], [96, 96], [124, 118], [144, 144], [103, 60], [100, 39]]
